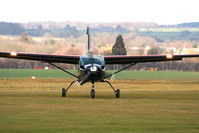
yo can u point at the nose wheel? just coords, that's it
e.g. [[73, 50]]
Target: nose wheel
[[92, 91]]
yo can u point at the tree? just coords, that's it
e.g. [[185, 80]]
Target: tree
[[119, 47], [154, 50], [11, 28], [194, 45], [25, 38]]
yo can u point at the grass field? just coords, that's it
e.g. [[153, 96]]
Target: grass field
[[150, 106], [54, 73], [156, 102]]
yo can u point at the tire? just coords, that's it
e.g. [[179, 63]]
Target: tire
[[63, 92], [117, 93], [92, 93]]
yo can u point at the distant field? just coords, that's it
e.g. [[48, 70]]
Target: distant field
[[170, 33], [145, 106], [169, 29], [54, 73]]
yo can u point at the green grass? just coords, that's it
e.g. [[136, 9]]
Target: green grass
[[40, 73], [145, 106], [54, 73]]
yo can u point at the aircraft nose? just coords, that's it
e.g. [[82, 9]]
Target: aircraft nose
[[93, 68]]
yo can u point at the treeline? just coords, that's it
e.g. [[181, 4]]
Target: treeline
[[83, 25], [11, 28], [183, 25], [74, 29], [18, 29], [160, 66], [117, 29], [171, 66], [66, 31]]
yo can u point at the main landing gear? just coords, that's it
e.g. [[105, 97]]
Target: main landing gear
[[64, 91], [92, 92], [117, 92]]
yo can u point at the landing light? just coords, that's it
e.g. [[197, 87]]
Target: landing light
[[13, 54], [169, 56]]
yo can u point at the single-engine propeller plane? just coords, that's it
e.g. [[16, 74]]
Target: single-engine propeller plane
[[92, 67]]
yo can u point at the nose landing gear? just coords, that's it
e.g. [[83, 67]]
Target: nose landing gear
[[92, 93], [92, 90]]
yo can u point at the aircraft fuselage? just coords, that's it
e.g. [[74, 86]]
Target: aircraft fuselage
[[91, 68]]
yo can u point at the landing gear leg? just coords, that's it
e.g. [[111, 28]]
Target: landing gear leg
[[92, 91], [117, 92], [64, 91]]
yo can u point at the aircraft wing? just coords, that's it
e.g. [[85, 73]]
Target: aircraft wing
[[122, 59], [70, 59]]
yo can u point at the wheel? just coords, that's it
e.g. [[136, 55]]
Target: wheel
[[63, 92], [92, 93], [117, 93]]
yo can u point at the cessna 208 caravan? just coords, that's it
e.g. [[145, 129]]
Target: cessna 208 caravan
[[92, 68]]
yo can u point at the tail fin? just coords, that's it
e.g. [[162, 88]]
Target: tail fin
[[89, 45]]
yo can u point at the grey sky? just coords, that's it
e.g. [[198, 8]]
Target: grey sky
[[160, 11]]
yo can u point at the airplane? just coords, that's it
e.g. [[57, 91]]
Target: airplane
[[92, 68]]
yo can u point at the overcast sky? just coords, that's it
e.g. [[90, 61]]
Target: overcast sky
[[159, 11]]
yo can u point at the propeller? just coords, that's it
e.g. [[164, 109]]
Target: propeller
[[92, 72], [84, 78]]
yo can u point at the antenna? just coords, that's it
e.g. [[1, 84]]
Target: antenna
[[88, 33]]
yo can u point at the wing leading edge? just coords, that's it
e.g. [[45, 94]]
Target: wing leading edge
[[74, 59], [144, 58], [70, 59]]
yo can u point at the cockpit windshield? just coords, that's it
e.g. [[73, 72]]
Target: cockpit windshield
[[94, 59]]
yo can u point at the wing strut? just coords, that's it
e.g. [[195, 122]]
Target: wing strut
[[120, 70], [62, 69]]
